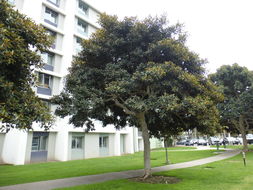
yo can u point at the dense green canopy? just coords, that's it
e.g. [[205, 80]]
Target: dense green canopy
[[236, 110], [20, 41], [139, 73]]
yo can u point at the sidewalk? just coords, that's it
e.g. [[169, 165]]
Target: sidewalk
[[74, 181]]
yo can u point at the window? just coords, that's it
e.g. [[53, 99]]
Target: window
[[78, 46], [12, 2], [45, 80], [77, 142], [35, 143], [55, 2], [51, 16], [39, 143], [48, 58], [78, 41], [53, 35], [82, 27], [103, 141], [83, 7]]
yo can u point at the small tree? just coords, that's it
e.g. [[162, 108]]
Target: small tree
[[236, 110], [20, 41], [138, 73]]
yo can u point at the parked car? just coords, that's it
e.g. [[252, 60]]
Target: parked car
[[230, 140], [214, 141], [249, 138], [202, 142], [181, 142], [238, 140], [190, 142]]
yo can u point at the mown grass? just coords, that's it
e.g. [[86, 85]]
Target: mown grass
[[227, 174], [10, 175], [233, 146], [178, 148]]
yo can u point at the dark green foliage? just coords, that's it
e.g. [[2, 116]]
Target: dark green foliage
[[236, 82], [20, 41], [236, 110], [133, 66], [139, 73]]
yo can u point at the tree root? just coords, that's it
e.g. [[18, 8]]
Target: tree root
[[146, 176]]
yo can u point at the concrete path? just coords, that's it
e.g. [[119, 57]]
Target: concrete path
[[74, 181]]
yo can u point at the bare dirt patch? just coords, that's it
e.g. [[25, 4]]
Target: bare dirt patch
[[157, 180]]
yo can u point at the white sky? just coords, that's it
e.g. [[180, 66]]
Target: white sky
[[219, 30]]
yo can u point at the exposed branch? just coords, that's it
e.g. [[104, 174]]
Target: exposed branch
[[126, 110], [236, 124], [109, 99], [180, 119], [247, 124], [148, 90]]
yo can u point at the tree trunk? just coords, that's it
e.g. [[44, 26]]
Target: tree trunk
[[166, 150], [243, 132], [145, 136]]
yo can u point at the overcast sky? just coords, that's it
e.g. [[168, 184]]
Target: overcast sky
[[219, 30]]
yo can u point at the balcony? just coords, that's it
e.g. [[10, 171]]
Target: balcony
[[54, 2], [48, 67], [44, 91]]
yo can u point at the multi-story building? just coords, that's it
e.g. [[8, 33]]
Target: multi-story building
[[68, 21]]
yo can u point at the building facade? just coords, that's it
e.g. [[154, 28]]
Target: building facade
[[68, 21]]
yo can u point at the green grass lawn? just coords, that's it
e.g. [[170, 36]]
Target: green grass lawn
[[55, 170], [227, 174], [177, 148], [233, 146]]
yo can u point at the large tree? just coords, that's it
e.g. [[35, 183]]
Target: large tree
[[20, 42], [139, 73], [236, 110]]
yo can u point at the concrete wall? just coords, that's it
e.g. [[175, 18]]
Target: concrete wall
[[111, 144], [140, 144], [61, 145], [14, 147], [91, 145], [2, 137], [57, 63], [93, 15], [28, 147], [51, 146], [91, 30], [55, 85], [132, 140], [156, 143], [122, 144], [117, 137]]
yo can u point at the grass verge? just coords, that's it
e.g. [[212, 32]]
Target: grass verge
[[10, 175], [222, 175], [233, 146], [177, 148]]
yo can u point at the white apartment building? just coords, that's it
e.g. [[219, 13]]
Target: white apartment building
[[68, 21]]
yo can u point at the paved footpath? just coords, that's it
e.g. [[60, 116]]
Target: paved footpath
[[74, 181]]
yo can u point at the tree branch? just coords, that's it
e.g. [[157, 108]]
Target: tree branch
[[178, 116], [247, 124], [126, 110], [236, 124]]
